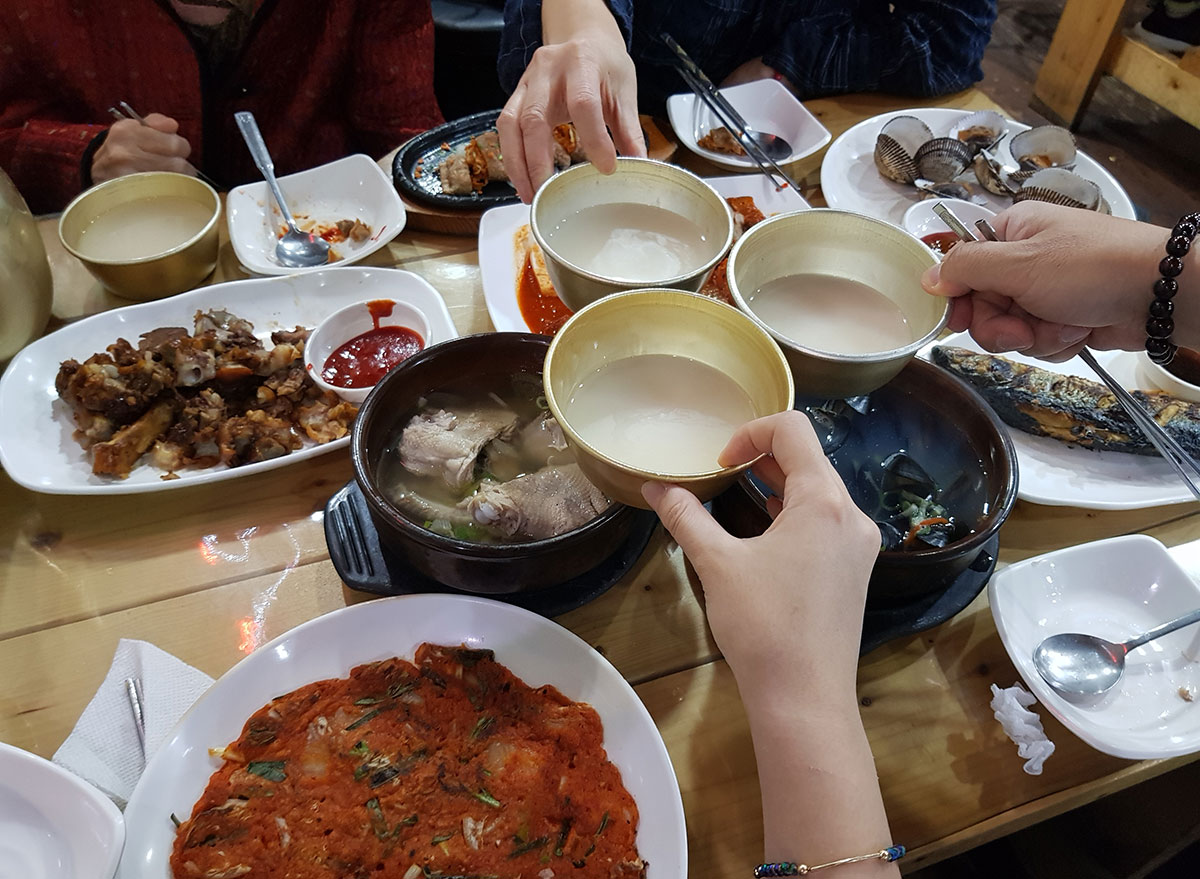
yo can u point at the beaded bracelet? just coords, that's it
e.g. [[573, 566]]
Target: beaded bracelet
[[1160, 324], [762, 871]]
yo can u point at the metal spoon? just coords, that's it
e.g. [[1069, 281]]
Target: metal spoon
[[295, 249], [1084, 665]]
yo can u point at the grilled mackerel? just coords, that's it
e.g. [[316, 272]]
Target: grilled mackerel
[[1067, 408]]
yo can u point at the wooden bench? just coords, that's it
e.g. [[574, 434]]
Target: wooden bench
[[1089, 43]]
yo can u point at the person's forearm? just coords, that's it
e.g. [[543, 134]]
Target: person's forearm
[[820, 791], [565, 19]]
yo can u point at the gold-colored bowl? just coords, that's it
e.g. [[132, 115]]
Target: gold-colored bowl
[[637, 181], [661, 322], [848, 245], [154, 275]]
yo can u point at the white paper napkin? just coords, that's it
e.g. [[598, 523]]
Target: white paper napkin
[[1024, 727], [103, 748]]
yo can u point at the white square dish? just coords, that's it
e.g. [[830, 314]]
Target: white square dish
[[1115, 589], [351, 188], [766, 105]]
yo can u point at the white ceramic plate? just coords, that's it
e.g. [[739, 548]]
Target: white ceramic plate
[[851, 182], [1058, 474], [499, 264], [535, 649], [36, 446], [766, 105], [354, 187], [1116, 589], [54, 825]]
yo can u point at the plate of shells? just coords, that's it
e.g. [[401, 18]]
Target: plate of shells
[[883, 165]]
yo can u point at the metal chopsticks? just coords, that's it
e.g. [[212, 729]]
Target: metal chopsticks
[[1167, 446], [704, 89], [123, 111]]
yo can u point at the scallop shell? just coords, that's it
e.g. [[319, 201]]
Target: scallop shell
[[896, 146], [1060, 186], [992, 175], [942, 159], [980, 130], [1047, 146]]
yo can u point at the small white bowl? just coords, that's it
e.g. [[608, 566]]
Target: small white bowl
[[415, 305], [1154, 376], [354, 187], [53, 823], [1115, 589], [920, 220], [766, 105]]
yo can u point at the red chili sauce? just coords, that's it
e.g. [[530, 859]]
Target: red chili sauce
[[941, 241], [543, 314], [364, 360]]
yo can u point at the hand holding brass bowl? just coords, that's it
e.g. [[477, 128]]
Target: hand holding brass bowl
[[648, 224], [809, 246], [647, 335], [145, 236]]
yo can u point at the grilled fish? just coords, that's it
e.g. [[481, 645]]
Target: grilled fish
[[1067, 408]]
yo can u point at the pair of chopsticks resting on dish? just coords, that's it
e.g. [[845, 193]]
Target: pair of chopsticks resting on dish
[[704, 89], [124, 111], [1174, 454]]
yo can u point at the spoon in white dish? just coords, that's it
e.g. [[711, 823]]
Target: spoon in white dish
[[1085, 665], [295, 249]]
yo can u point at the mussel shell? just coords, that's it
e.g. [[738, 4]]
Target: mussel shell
[[942, 159], [1060, 186], [1047, 146], [979, 130], [897, 144]]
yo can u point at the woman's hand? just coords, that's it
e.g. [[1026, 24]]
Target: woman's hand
[[786, 607], [580, 74], [1059, 279], [131, 147]]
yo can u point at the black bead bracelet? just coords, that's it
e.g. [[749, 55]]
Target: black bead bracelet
[[1160, 325]]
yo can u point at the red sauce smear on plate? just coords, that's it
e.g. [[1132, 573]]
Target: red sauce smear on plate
[[542, 314], [364, 360], [941, 241]]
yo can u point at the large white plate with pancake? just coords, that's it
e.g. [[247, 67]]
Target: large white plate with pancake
[[1059, 474], [534, 648], [851, 182], [37, 448], [500, 264]]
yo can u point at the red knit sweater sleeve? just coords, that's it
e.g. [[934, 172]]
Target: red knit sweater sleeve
[[42, 157], [392, 96]]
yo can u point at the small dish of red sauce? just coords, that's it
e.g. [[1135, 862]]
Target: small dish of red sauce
[[940, 242], [352, 349]]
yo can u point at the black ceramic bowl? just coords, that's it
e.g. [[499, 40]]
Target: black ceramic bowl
[[954, 435], [473, 567]]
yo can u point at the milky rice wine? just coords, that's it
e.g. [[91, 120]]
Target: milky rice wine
[[143, 228], [631, 242], [659, 412]]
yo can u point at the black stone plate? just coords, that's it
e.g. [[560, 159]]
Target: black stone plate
[[364, 564], [889, 622], [426, 148]]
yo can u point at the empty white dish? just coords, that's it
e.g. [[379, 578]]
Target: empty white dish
[[920, 220], [766, 104], [352, 188], [54, 825], [1116, 589]]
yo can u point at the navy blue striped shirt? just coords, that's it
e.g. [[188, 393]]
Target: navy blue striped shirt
[[910, 47]]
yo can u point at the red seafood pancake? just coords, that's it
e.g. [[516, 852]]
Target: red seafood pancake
[[452, 767]]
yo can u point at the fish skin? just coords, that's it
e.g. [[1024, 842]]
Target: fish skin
[[1068, 408]]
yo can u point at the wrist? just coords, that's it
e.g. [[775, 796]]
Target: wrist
[[1186, 301], [565, 20]]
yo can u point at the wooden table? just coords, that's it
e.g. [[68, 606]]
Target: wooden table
[[210, 573]]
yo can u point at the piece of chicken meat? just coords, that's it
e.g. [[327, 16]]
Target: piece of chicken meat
[[446, 444], [552, 501]]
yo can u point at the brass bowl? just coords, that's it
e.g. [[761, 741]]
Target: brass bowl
[[661, 322], [154, 275], [852, 246], [639, 181]]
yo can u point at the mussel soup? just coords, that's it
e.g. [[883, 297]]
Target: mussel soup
[[488, 465]]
